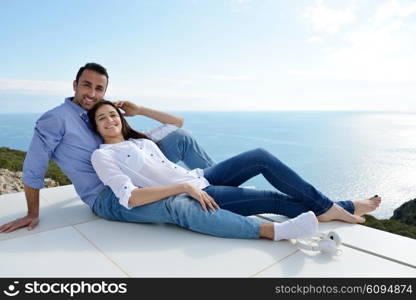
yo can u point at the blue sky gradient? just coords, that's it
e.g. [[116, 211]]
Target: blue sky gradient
[[213, 55]]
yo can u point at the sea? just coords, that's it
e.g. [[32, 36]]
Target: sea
[[345, 155]]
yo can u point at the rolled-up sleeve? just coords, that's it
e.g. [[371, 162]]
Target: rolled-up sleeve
[[111, 175], [160, 132], [47, 135]]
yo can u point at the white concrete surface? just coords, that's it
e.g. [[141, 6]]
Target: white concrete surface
[[70, 241]]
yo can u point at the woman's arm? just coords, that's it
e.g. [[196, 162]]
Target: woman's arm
[[132, 109], [130, 196], [146, 195]]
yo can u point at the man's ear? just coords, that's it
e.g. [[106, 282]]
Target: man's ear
[[74, 85]]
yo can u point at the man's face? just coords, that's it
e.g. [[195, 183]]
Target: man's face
[[89, 89]]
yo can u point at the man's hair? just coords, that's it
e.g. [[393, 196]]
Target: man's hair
[[93, 67]]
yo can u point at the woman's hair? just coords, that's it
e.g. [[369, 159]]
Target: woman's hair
[[126, 131]]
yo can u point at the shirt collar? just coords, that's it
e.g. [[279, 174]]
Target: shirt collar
[[107, 146], [70, 101], [83, 114]]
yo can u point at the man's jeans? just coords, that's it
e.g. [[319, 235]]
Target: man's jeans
[[181, 146], [294, 195], [181, 209]]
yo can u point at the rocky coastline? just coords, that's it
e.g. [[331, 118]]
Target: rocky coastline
[[11, 182]]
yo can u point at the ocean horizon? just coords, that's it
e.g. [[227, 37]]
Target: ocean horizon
[[346, 155]]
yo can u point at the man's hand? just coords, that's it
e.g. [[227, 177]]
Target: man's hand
[[202, 197], [128, 107], [29, 221]]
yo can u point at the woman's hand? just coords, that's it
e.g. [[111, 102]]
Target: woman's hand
[[129, 108], [201, 196]]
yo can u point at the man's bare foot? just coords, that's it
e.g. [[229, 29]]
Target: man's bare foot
[[336, 212], [363, 207]]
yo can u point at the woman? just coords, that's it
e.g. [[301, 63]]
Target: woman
[[150, 188]]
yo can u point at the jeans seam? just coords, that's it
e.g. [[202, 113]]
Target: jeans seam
[[242, 170], [303, 194]]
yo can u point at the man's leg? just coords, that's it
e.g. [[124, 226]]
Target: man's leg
[[181, 146]]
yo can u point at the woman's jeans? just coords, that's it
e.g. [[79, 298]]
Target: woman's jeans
[[295, 197]]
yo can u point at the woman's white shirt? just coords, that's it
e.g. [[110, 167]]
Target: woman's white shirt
[[137, 163]]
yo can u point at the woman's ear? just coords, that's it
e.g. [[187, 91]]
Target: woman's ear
[[74, 85]]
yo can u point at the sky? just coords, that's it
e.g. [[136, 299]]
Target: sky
[[252, 55]]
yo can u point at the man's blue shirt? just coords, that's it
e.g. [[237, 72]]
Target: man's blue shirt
[[64, 134]]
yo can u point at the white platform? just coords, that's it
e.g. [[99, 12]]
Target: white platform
[[70, 241]]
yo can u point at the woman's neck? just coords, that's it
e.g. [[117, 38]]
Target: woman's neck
[[114, 140]]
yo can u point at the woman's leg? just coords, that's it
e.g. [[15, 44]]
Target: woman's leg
[[240, 168], [182, 211], [247, 202], [181, 146], [188, 213]]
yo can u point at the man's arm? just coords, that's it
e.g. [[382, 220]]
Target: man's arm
[[32, 217], [32, 199], [47, 136]]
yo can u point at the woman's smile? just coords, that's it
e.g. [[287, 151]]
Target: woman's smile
[[108, 124]]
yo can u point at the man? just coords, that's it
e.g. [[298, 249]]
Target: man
[[64, 134]]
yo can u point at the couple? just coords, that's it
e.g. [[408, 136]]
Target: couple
[[125, 175]]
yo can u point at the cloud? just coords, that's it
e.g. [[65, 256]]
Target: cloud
[[228, 77], [38, 87], [35, 86], [314, 40], [392, 11], [329, 20], [240, 2], [379, 48]]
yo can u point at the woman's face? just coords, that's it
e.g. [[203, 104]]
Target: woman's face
[[108, 122]]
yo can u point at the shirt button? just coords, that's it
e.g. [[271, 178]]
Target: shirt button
[[141, 148], [163, 161], [175, 167], [125, 187], [128, 155], [151, 154]]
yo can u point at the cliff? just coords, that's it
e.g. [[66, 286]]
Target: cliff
[[12, 160], [11, 182]]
